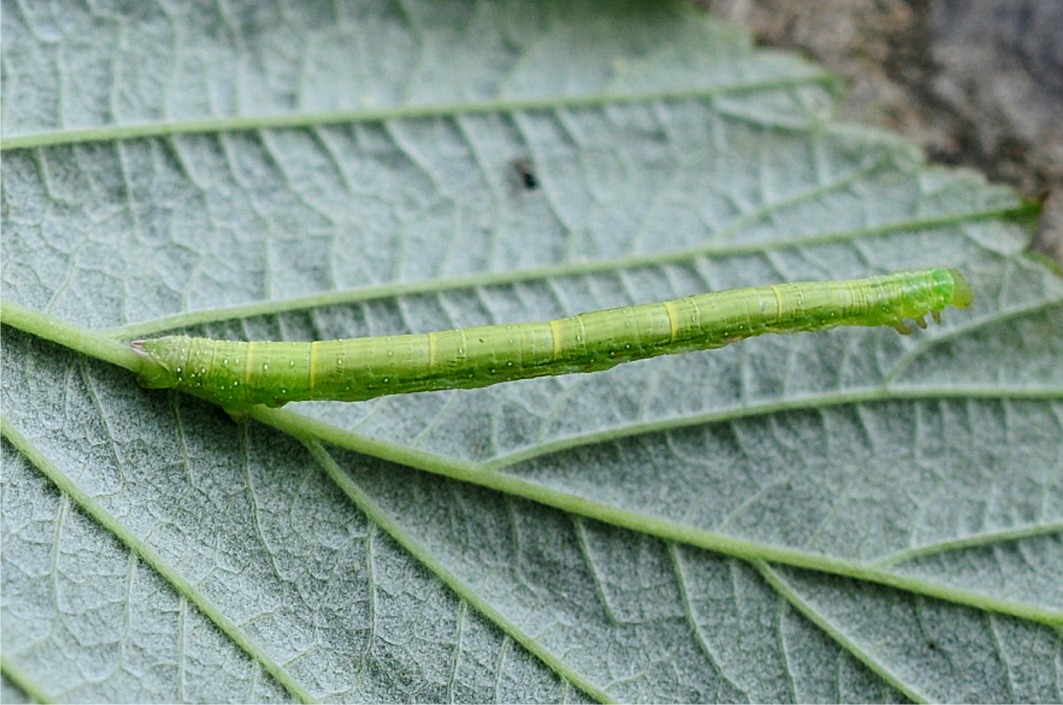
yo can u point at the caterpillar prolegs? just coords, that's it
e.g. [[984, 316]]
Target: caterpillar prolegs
[[238, 375]]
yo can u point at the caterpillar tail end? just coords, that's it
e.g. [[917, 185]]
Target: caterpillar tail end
[[962, 296], [155, 374], [152, 374]]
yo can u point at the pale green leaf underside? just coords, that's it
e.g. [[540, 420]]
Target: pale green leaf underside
[[769, 492]]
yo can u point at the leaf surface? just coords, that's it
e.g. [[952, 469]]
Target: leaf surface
[[841, 516]]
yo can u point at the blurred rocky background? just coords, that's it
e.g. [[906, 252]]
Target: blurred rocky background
[[979, 83]]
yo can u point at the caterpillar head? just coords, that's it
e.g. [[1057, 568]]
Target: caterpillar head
[[961, 293], [943, 287]]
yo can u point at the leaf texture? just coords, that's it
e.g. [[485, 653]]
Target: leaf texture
[[828, 517]]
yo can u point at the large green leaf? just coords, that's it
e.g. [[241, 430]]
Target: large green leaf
[[846, 516]]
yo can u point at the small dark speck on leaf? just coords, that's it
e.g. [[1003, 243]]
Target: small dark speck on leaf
[[527, 176]]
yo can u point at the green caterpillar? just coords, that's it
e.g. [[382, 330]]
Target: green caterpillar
[[238, 375]]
